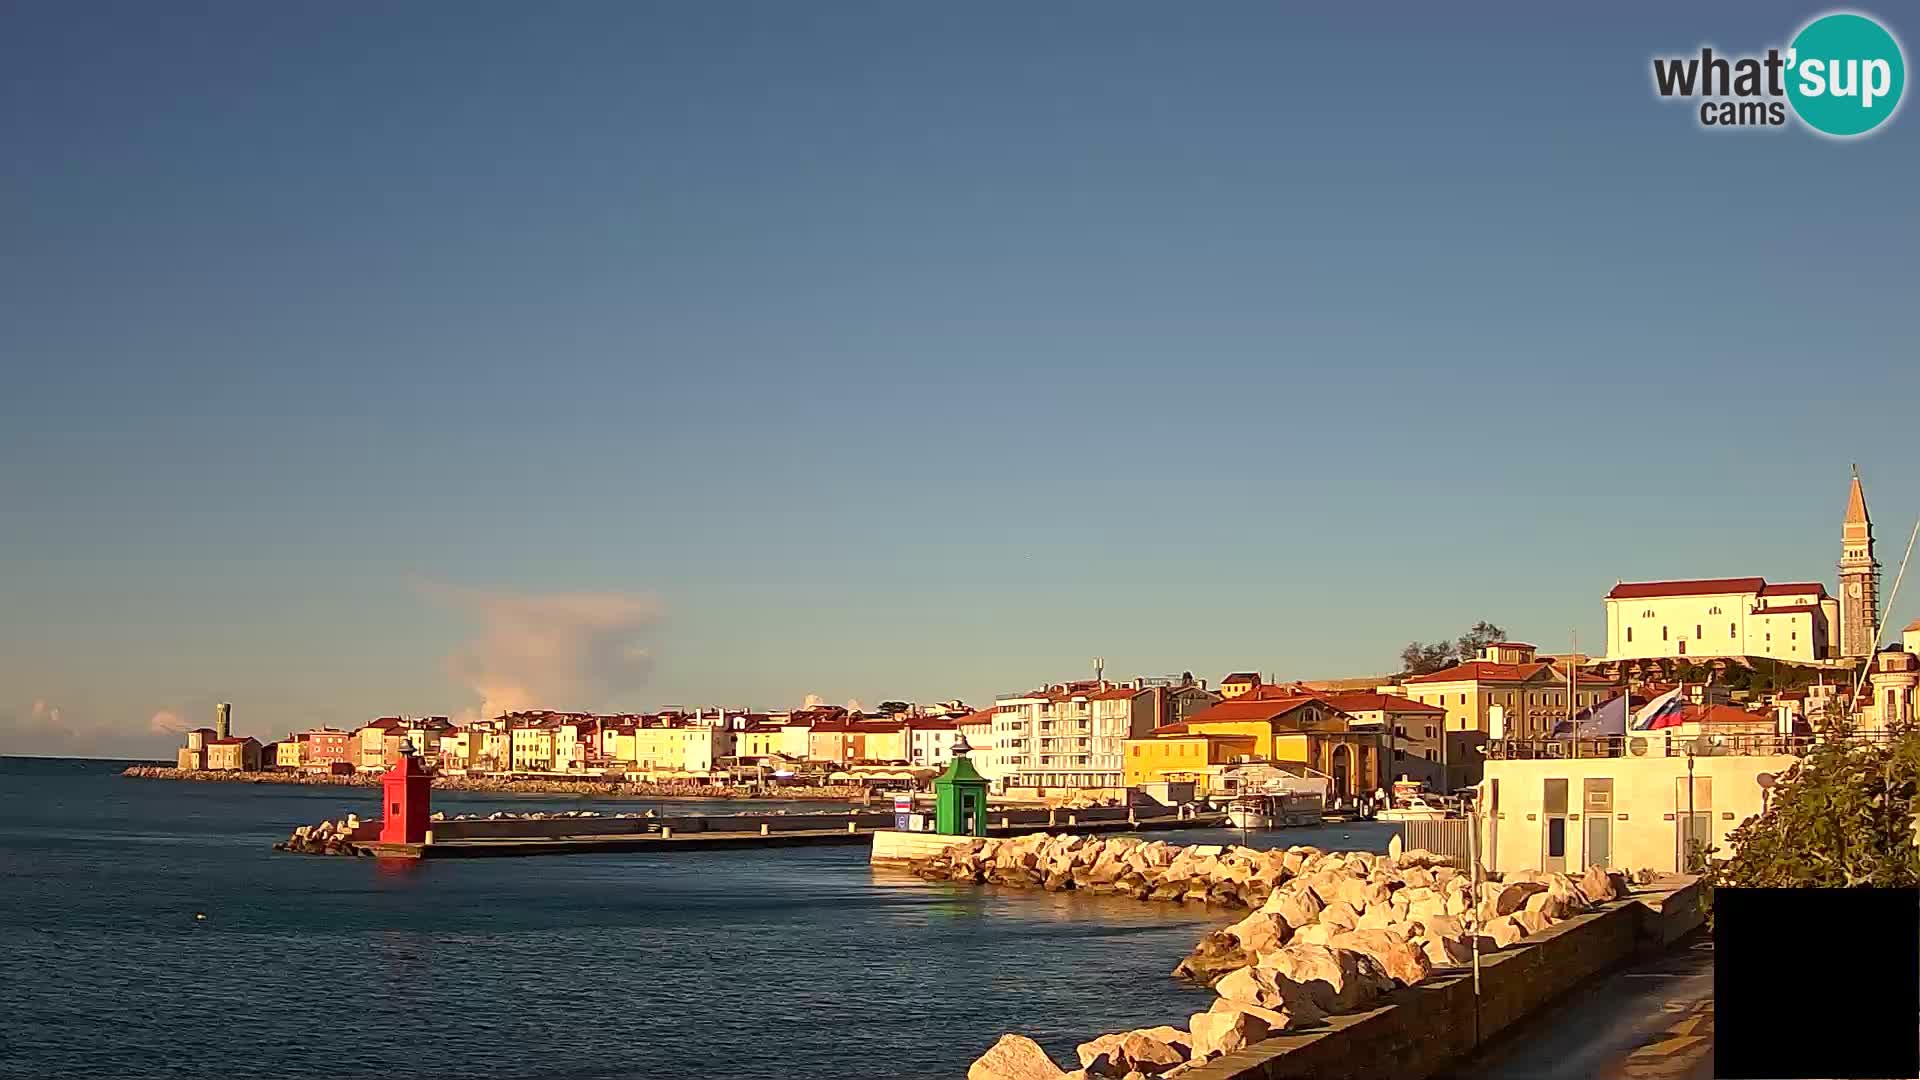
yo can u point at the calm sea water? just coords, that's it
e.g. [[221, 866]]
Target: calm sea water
[[793, 964]]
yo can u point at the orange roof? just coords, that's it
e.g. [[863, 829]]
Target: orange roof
[[1242, 676], [1636, 590], [1485, 671], [978, 716], [1366, 702], [1246, 708], [1795, 588], [1114, 694], [1721, 714]]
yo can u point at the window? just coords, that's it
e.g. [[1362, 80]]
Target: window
[[1430, 756], [1713, 610], [1663, 633], [1429, 731], [1629, 633], [1463, 699], [1696, 631], [1731, 631]]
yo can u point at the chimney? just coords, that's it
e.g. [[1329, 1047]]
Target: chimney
[[223, 720]]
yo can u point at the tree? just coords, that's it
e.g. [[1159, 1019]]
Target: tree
[[1424, 659], [893, 708], [1477, 638], [1843, 816]]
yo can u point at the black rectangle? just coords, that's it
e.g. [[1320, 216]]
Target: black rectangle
[[1816, 983]]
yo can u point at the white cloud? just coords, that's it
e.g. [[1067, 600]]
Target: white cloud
[[551, 650]]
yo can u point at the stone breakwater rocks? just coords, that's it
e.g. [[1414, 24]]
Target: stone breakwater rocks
[[604, 789], [1330, 932], [326, 838]]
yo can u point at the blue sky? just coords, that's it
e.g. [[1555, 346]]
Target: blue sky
[[881, 350]]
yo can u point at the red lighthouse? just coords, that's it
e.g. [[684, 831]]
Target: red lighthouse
[[405, 793]]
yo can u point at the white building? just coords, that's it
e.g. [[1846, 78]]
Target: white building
[[930, 741], [1721, 617], [1639, 810], [1068, 736]]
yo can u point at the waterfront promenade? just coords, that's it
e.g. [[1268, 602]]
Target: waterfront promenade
[[510, 785]]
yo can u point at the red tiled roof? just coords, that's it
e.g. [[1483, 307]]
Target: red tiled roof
[[1485, 671], [928, 724], [1721, 714], [978, 716], [1787, 609], [385, 723], [233, 740], [1243, 708], [1242, 676], [1367, 702], [1510, 645], [1796, 588], [1116, 693], [1637, 590]]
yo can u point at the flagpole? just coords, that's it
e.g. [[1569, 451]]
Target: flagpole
[[1573, 684]]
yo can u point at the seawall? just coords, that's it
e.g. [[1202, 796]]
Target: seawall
[[1421, 1030]]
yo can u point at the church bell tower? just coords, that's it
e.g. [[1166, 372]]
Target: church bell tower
[[1859, 578]]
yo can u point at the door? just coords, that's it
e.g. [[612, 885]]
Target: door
[[1553, 846], [1693, 824], [1596, 809]]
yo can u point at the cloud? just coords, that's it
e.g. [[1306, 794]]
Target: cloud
[[569, 650], [166, 722], [813, 701], [855, 706]]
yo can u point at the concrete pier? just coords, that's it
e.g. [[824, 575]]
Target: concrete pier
[[495, 838]]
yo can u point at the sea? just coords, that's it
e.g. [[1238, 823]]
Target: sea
[[148, 929]]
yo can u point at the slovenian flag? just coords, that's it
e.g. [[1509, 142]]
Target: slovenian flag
[[1661, 712]]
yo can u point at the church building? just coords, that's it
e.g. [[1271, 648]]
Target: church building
[[1750, 616]]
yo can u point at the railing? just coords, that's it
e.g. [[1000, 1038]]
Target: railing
[[1660, 744]]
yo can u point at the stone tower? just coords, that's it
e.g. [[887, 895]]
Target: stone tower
[[1859, 578]]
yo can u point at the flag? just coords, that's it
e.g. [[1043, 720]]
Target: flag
[[1661, 712], [1607, 718]]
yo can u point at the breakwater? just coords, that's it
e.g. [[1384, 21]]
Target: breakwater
[[1331, 933], [601, 789]]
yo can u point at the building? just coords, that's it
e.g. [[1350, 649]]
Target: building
[[1891, 680], [1527, 697], [1069, 736], [1720, 617], [1859, 578], [1283, 726], [1238, 683], [1162, 701], [233, 754], [1177, 755], [325, 748], [760, 740], [678, 750], [930, 741], [1635, 810], [290, 752], [193, 756], [1412, 731]]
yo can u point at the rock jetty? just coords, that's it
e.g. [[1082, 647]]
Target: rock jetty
[[600, 789], [326, 838], [1329, 932]]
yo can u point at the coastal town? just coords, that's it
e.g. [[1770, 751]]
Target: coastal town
[[1725, 662]]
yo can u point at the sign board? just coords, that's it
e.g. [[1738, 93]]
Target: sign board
[[902, 812], [916, 823]]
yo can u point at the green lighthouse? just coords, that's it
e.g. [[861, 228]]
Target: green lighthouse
[[960, 796]]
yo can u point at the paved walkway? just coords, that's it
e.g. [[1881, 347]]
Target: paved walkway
[[1652, 1021]]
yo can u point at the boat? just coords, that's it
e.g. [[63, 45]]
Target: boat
[[1415, 809], [1273, 810]]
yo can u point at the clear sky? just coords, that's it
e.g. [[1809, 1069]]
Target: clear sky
[[374, 358]]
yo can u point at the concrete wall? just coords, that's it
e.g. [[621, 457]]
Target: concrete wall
[[866, 821], [1420, 1030], [1649, 796]]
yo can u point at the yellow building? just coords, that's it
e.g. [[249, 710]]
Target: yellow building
[[1239, 684], [1528, 696], [758, 741], [291, 753], [1181, 757], [532, 747], [1301, 729], [233, 754], [690, 750]]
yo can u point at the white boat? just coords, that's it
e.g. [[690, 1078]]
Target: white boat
[[1273, 810], [1415, 809]]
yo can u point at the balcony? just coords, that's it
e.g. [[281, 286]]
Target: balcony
[[1657, 744]]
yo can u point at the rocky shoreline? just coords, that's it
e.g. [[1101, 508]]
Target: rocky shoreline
[[1330, 933], [599, 789]]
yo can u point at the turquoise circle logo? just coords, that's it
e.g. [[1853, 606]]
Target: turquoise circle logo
[[1846, 74]]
